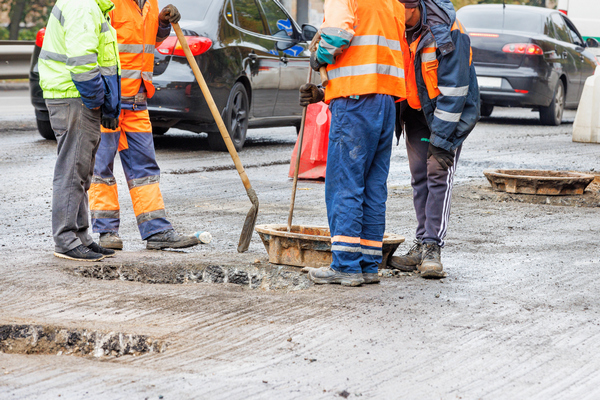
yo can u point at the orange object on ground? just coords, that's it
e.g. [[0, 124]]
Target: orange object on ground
[[313, 158]]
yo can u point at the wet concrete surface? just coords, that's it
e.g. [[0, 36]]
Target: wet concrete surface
[[517, 316]]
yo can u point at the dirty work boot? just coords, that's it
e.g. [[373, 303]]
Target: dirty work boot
[[81, 253], [409, 261], [111, 240], [431, 266], [101, 250], [170, 240], [328, 275], [370, 277]]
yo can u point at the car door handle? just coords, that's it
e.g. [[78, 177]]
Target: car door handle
[[283, 59], [565, 54], [252, 56]]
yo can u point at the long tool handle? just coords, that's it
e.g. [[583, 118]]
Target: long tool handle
[[213, 107], [298, 154], [324, 76]]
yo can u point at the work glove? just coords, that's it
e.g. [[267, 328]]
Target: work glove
[[444, 157], [169, 15], [310, 93], [109, 123], [314, 63]]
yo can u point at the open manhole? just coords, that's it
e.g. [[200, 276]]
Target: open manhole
[[538, 182], [38, 339], [253, 276]]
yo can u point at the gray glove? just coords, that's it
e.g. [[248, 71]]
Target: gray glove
[[310, 93], [444, 157], [169, 15], [109, 123], [314, 63]]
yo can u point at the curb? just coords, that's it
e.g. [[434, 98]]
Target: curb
[[14, 85]]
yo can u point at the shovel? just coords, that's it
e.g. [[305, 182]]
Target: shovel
[[250, 221]]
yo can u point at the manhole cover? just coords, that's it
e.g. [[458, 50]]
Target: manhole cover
[[531, 181]]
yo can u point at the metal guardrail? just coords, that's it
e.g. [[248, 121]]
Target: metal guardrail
[[15, 56]]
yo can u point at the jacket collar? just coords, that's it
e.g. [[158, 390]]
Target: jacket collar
[[105, 5]]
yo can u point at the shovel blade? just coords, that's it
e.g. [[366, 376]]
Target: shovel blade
[[249, 223]]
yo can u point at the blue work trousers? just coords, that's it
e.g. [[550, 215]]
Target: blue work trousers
[[358, 163]]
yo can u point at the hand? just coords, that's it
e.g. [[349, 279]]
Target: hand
[[109, 123], [314, 63], [310, 93], [169, 15], [444, 157]]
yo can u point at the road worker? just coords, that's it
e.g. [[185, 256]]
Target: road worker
[[79, 69], [442, 108], [362, 43], [140, 27]]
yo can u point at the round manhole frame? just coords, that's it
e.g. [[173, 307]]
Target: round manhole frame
[[538, 182]]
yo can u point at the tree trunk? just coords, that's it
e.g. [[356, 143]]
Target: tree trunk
[[17, 15]]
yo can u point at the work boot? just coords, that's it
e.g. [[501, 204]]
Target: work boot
[[371, 277], [170, 240], [111, 240], [101, 250], [409, 261], [328, 275], [80, 253], [431, 266]]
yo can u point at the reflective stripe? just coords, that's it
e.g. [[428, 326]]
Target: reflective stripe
[[147, 75], [97, 214], [370, 243], [345, 239], [372, 252], [82, 60], [454, 91], [375, 40], [431, 45], [131, 48], [49, 55], [85, 76], [108, 71], [148, 48], [104, 27], [143, 181], [347, 249], [145, 217], [447, 116], [58, 15], [104, 181], [428, 57], [339, 32], [131, 73], [366, 69]]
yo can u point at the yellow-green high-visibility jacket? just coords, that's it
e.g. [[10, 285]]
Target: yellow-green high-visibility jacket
[[80, 55]]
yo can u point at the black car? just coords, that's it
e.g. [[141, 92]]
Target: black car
[[252, 54], [527, 57]]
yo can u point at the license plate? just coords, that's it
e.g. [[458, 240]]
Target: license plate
[[488, 82]]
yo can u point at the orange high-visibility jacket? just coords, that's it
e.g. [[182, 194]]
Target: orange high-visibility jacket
[[364, 43], [136, 35]]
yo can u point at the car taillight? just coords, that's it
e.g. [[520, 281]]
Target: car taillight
[[171, 45], [487, 35], [523, 48], [39, 38]]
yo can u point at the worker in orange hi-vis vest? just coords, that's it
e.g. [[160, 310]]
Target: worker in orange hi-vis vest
[[363, 46], [140, 27]]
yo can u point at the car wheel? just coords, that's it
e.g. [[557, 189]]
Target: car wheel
[[159, 130], [45, 129], [235, 119], [486, 109], [552, 115]]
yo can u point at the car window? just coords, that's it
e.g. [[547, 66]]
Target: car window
[[189, 9], [495, 18], [248, 16], [560, 28], [575, 38], [276, 18]]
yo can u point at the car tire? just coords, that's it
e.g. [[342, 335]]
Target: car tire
[[235, 117], [486, 109], [45, 129], [159, 130], [552, 115]]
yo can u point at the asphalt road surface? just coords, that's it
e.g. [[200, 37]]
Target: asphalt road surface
[[516, 318]]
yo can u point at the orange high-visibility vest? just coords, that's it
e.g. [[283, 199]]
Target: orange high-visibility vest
[[136, 35], [429, 68], [374, 62]]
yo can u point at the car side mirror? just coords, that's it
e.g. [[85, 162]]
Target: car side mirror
[[308, 32], [286, 40], [592, 42]]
